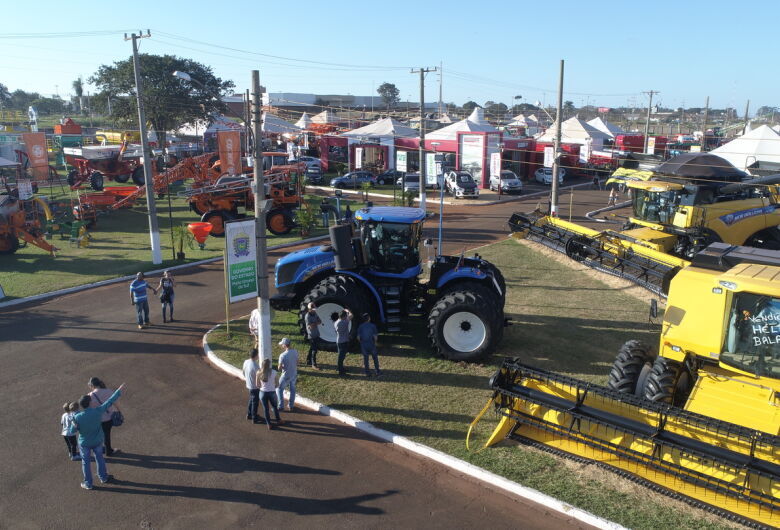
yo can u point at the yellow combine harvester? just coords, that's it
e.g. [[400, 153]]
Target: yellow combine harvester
[[671, 221], [700, 418]]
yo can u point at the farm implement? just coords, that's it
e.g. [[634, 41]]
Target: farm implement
[[696, 418], [23, 221]]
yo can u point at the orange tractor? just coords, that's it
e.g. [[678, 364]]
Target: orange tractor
[[23, 221]]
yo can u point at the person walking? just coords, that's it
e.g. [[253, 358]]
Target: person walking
[[288, 367], [67, 423], [266, 380], [367, 334], [100, 394], [254, 324], [87, 424], [313, 323], [250, 369], [166, 286], [138, 298], [613, 196], [342, 338]]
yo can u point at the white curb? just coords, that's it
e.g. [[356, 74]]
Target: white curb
[[433, 454], [69, 290]]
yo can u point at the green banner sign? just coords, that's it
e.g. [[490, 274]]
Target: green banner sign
[[240, 260]]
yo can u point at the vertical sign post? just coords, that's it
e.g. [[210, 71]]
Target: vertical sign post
[[240, 262]]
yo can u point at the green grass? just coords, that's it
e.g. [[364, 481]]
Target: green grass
[[563, 320], [119, 246]]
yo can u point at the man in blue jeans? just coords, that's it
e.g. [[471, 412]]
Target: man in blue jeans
[[250, 369], [138, 297], [367, 335], [342, 338], [288, 367], [88, 424]]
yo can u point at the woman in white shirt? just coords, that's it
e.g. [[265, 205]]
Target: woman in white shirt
[[266, 381]]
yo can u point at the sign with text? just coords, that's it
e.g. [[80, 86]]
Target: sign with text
[[35, 147], [240, 260], [651, 145], [400, 161], [25, 189], [230, 152], [495, 165], [549, 156], [358, 157]]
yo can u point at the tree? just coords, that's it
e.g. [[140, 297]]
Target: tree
[[469, 106], [78, 88], [496, 109], [766, 111], [5, 95], [47, 106], [568, 108], [389, 93], [20, 99], [524, 108], [169, 101]]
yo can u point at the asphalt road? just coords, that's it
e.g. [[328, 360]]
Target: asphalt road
[[189, 458]]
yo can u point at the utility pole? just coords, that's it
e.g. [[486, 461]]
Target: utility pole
[[248, 122], [422, 72], [557, 149], [747, 112], [651, 93], [441, 80], [704, 124], [154, 231], [263, 304]]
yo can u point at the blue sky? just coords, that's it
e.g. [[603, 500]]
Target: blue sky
[[490, 50]]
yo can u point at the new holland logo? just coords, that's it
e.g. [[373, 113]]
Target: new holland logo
[[241, 245], [735, 217]]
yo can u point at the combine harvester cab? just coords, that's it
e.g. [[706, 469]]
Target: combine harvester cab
[[700, 418]]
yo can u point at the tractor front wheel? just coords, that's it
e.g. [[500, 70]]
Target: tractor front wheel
[[279, 221], [631, 368], [461, 327], [138, 176], [96, 181], [72, 177], [9, 244], [669, 382], [217, 218], [331, 296]]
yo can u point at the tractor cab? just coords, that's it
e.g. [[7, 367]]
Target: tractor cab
[[655, 201], [391, 237]]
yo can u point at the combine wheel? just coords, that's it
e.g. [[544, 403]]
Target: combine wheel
[[96, 181], [138, 176], [461, 326], [332, 295], [279, 221], [631, 368], [668, 382], [72, 177], [217, 218], [9, 244]]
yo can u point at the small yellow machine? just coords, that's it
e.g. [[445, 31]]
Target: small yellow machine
[[701, 417]]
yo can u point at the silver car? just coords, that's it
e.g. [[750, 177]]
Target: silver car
[[508, 183]]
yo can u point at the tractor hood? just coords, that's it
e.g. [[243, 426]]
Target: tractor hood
[[297, 267]]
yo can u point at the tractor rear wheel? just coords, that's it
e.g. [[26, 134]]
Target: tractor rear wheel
[[669, 382], [72, 177], [122, 178], [461, 327], [331, 296], [279, 221], [217, 218], [488, 294], [138, 176], [631, 368], [9, 244], [96, 181]]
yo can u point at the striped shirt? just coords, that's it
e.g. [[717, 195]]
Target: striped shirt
[[138, 288]]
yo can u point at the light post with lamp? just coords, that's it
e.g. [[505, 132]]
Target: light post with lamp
[[441, 195]]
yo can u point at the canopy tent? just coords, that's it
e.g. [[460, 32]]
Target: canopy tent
[[304, 122], [478, 116], [5, 163], [702, 165], [273, 124], [383, 127], [326, 116], [575, 131], [450, 132], [759, 145], [445, 118], [522, 120], [606, 127]]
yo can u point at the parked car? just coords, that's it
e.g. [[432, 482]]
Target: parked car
[[544, 175], [508, 182], [314, 175], [309, 161], [411, 182], [389, 176], [460, 184], [353, 179]]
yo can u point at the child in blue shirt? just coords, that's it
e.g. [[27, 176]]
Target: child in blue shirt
[[67, 423]]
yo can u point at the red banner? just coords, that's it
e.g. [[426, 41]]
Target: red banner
[[35, 147], [230, 152]]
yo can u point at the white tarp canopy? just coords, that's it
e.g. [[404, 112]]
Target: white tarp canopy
[[304, 122], [450, 132], [326, 116], [4, 162], [762, 144], [383, 127], [273, 124], [523, 121], [478, 116], [575, 131], [606, 127], [220, 123], [445, 118]]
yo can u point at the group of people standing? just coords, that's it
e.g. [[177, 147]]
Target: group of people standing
[[86, 427], [140, 299]]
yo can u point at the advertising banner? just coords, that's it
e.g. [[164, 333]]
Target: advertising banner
[[495, 165], [549, 156], [240, 260], [651, 145], [400, 161], [358, 157], [230, 152], [35, 147]]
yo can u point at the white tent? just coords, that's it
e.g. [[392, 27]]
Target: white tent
[[523, 121], [759, 145], [478, 116], [606, 127], [326, 116], [450, 132], [304, 122], [445, 118], [383, 127], [273, 124], [575, 131]]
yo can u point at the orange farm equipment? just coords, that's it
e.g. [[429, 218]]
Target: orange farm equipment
[[23, 221], [94, 163]]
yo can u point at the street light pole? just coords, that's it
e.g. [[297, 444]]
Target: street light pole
[[154, 231], [557, 150]]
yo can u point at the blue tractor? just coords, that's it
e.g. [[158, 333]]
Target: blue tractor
[[373, 266]]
